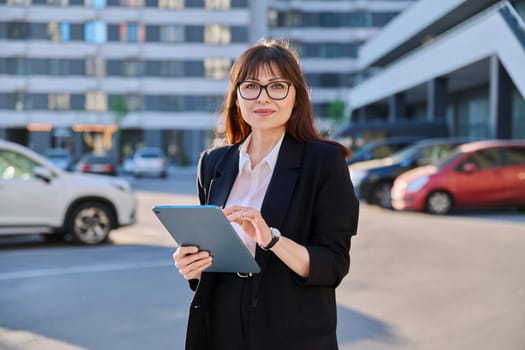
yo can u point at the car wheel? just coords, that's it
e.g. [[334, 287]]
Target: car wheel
[[90, 223], [381, 194], [439, 203]]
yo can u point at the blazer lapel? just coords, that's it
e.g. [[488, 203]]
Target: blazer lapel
[[279, 194], [222, 182]]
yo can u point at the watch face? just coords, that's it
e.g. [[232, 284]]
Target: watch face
[[275, 232]]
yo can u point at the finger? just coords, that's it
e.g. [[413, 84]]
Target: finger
[[195, 269]]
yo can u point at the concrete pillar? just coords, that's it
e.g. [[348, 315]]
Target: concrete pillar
[[396, 107], [78, 144], [194, 145], [500, 101], [437, 97], [258, 21]]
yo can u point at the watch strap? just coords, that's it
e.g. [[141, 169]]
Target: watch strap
[[276, 234]]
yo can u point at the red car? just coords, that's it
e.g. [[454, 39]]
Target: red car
[[477, 174]]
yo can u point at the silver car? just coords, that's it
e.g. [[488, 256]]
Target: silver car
[[37, 197]]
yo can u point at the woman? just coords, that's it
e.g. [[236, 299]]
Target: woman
[[288, 194]]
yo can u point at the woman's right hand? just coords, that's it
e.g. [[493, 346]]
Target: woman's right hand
[[191, 262]]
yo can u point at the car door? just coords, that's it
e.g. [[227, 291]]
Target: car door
[[478, 179], [25, 200], [513, 175]]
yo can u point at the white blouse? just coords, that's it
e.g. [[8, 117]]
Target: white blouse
[[250, 185]]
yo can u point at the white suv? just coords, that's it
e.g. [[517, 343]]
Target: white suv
[[38, 197]]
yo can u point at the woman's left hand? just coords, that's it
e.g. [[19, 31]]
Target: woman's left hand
[[251, 223]]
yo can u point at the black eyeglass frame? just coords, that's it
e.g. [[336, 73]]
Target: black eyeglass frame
[[265, 88]]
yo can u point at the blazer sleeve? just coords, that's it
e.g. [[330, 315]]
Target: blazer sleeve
[[334, 222]]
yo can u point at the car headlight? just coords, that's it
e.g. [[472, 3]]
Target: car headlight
[[357, 176], [417, 184], [122, 185]]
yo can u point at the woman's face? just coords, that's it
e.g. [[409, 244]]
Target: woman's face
[[264, 113]]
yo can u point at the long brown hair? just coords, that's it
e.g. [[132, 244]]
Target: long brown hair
[[271, 55]]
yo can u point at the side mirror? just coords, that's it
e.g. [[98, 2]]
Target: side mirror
[[469, 167], [43, 173]]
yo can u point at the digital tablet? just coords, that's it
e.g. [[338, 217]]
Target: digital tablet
[[206, 227]]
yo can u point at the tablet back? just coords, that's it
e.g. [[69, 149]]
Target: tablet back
[[206, 226]]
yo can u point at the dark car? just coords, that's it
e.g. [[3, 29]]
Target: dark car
[[373, 179], [97, 164], [378, 149], [478, 174]]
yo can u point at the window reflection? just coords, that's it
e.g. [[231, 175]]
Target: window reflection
[[131, 32], [217, 68], [171, 4], [217, 34], [217, 4], [172, 33], [96, 101], [58, 101], [95, 32], [95, 66]]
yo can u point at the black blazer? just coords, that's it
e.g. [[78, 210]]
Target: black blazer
[[311, 200]]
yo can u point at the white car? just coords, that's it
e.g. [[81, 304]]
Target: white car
[[37, 197], [150, 161]]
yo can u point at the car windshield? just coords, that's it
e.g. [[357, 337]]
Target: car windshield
[[364, 150], [449, 159], [405, 153], [98, 160], [150, 155]]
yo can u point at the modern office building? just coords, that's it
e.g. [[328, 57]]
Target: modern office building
[[459, 61], [115, 75]]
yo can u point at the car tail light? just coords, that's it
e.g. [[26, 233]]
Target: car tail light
[[108, 167], [85, 168]]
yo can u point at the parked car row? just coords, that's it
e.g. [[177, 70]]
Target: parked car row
[[143, 162], [40, 198], [146, 162], [478, 174], [437, 175]]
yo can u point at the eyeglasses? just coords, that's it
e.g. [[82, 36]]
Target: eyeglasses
[[276, 90]]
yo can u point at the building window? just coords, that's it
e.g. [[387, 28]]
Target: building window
[[22, 101], [518, 115], [58, 102], [134, 102], [18, 30], [217, 4], [360, 19], [19, 65], [171, 4], [58, 2], [273, 17], [95, 32], [172, 33], [172, 68], [95, 67], [58, 66], [131, 32], [96, 101], [97, 4], [217, 68], [330, 50], [132, 3], [132, 68], [58, 32], [19, 2], [293, 19], [217, 34]]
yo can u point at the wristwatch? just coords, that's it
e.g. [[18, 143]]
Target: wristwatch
[[276, 234]]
